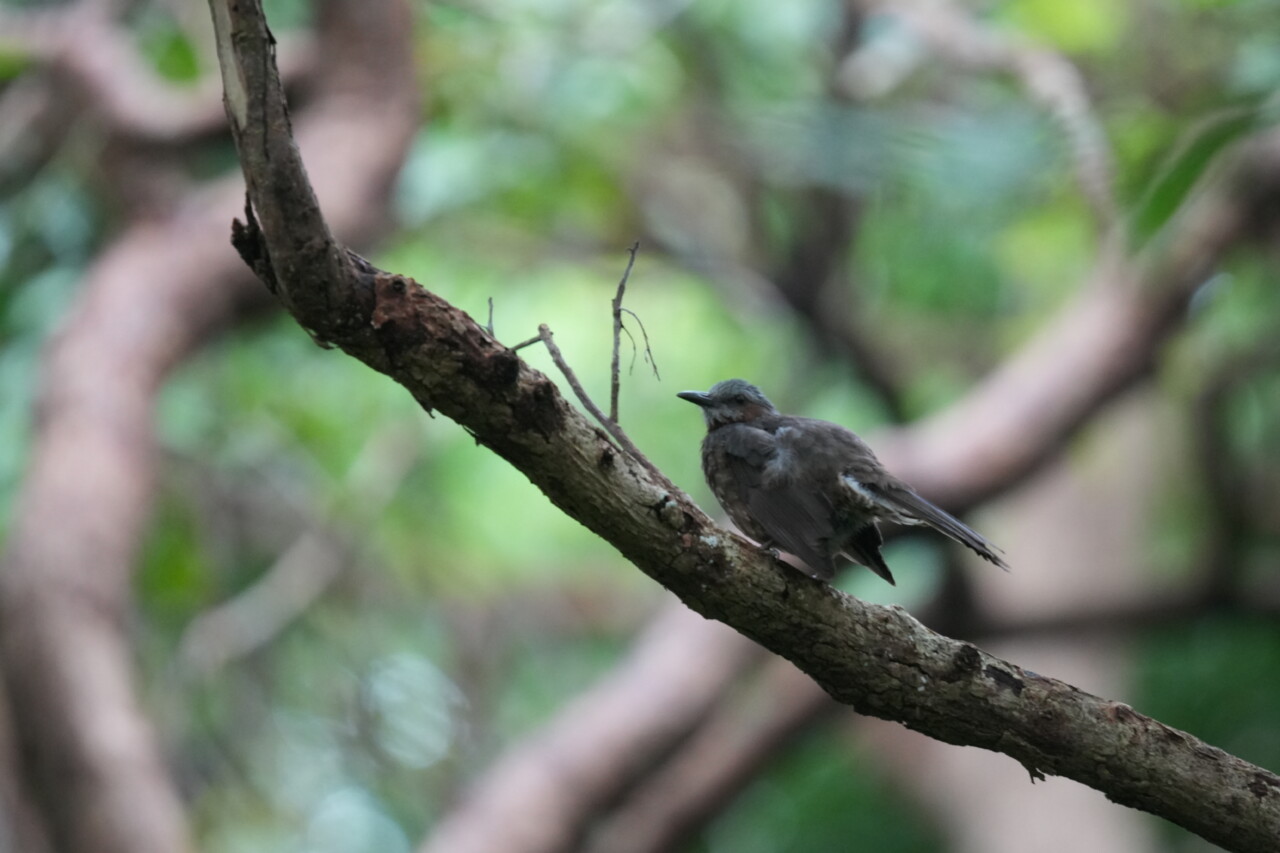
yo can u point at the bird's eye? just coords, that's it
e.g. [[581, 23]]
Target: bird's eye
[[740, 398]]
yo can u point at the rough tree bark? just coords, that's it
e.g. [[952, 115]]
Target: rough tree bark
[[879, 660]]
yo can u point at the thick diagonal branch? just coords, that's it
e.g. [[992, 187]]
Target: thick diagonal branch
[[878, 660]]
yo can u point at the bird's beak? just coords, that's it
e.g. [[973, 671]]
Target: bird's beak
[[699, 398]]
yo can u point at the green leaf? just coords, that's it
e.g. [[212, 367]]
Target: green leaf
[[1186, 165]]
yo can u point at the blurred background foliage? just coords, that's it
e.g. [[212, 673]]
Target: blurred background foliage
[[466, 609]]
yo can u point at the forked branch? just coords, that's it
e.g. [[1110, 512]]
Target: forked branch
[[879, 660]]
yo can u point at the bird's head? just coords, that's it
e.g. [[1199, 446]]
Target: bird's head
[[729, 402]]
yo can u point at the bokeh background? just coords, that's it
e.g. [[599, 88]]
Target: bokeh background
[[341, 615]]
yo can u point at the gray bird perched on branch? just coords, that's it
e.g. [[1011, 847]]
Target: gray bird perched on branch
[[809, 487]]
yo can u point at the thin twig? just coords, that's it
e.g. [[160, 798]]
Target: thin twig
[[617, 331], [489, 326], [635, 351], [611, 426], [524, 344], [648, 350], [546, 336]]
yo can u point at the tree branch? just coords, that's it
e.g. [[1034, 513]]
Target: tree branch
[[610, 424], [1096, 347], [682, 794], [879, 660], [602, 741], [717, 761], [614, 367], [97, 67]]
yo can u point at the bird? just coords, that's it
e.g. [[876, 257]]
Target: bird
[[808, 486]]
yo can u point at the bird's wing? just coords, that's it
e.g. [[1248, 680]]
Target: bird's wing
[[795, 518], [863, 547], [871, 485], [901, 501]]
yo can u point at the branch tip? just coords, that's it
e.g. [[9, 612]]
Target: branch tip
[[617, 331]]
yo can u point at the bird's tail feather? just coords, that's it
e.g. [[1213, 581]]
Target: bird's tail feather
[[910, 504]]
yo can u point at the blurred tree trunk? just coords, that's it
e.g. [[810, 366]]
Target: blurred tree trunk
[[86, 748]]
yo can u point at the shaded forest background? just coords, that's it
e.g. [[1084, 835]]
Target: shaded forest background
[[343, 626]]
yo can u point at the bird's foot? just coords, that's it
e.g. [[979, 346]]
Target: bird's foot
[[769, 549]]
